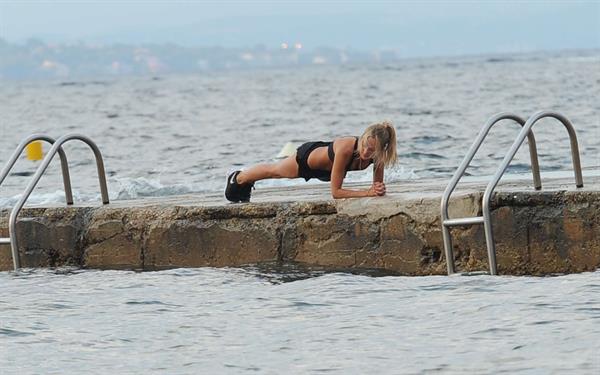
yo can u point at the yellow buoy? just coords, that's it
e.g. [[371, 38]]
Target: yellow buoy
[[34, 151]]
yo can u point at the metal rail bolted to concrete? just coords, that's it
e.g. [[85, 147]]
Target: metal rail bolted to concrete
[[56, 148], [486, 219]]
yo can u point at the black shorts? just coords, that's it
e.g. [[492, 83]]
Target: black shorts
[[304, 170]]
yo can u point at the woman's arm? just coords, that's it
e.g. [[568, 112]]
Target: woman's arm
[[377, 173], [378, 184], [342, 156]]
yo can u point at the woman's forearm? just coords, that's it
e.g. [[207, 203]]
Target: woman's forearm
[[347, 193], [377, 174]]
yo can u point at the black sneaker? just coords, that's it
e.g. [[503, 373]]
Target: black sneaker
[[236, 192]]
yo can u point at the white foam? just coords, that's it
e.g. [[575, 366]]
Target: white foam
[[42, 199], [134, 188], [126, 188], [141, 187]]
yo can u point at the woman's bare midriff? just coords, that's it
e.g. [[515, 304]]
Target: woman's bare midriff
[[319, 159]]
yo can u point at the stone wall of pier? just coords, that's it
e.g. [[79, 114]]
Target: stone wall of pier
[[537, 233]]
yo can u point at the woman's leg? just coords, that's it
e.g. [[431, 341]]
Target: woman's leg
[[286, 168]]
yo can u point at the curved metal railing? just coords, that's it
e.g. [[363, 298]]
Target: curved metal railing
[[56, 147], [446, 221], [486, 201], [63, 163], [487, 196]]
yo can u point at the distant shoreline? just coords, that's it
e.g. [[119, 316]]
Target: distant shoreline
[[37, 60]]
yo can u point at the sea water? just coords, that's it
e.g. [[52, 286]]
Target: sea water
[[181, 134], [296, 321]]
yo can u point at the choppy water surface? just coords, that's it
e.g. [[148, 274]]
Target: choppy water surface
[[179, 134], [296, 321], [169, 135]]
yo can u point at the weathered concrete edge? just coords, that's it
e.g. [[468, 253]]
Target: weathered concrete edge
[[536, 233]]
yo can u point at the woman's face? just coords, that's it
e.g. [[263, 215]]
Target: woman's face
[[368, 149]]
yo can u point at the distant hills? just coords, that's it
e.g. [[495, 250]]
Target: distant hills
[[36, 59]]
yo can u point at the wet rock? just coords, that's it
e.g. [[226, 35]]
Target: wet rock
[[47, 237]]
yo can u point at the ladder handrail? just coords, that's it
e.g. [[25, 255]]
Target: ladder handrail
[[535, 169], [487, 196], [38, 174], [63, 163]]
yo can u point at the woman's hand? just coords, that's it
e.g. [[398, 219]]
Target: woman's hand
[[377, 189]]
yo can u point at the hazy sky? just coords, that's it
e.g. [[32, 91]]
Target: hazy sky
[[413, 28]]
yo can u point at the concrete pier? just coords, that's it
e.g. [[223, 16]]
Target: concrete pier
[[556, 230]]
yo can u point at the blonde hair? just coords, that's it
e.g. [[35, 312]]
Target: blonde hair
[[385, 136]]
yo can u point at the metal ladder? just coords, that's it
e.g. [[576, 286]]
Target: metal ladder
[[526, 131], [56, 148]]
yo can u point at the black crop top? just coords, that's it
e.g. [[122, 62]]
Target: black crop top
[[331, 153]]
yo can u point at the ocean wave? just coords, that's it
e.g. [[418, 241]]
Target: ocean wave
[[43, 199], [141, 187], [119, 189], [421, 155], [136, 188]]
